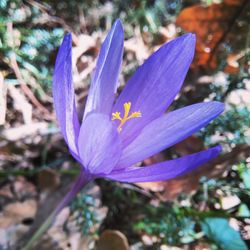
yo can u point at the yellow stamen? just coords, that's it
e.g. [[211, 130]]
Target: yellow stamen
[[126, 116]]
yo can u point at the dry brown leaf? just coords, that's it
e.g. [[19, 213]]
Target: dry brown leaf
[[17, 133], [5, 191], [21, 210], [21, 103], [65, 231], [212, 25], [48, 180], [84, 52], [229, 202], [83, 43], [24, 188], [137, 46], [112, 239], [84, 243], [154, 159], [17, 212], [188, 183], [202, 246], [190, 145]]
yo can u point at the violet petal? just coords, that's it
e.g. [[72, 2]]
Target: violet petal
[[155, 84], [64, 97], [168, 130], [99, 144], [166, 170], [104, 82]]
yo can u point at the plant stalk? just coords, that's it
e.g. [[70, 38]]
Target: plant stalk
[[83, 179]]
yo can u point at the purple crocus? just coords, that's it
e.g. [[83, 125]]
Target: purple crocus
[[118, 132]]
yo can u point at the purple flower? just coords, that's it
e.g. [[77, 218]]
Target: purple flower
[[116, 133]]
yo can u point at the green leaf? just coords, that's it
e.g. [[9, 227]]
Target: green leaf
[[222, 234], [243, 211], [245, 175]]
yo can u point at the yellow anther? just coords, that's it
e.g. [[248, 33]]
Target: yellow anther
[[126, 116], [116, 116]]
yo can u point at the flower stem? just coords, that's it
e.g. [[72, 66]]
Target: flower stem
[[82, 180]]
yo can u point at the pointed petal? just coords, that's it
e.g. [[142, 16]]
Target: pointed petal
[[99, 144], [168, 130], [63, 94], [155, 84], [104, 83], [168, 169]]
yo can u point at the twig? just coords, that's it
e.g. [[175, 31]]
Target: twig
[[23, 85], [2, 100], [49, 18]]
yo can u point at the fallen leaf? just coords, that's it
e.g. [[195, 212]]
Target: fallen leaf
[[214, 25], [24, 188], [189, 146], [48, 180], [17, 133], [112, 239], [230, 202], [137, 46], [16, 213], [21, 103], [169, 190], [65, 231]]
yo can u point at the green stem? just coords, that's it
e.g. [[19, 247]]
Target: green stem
[[39, 233], [82, 180]]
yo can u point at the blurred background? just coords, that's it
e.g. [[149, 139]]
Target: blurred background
[[207, 209]]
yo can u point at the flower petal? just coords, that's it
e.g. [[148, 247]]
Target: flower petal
[[104, 83], [99, 144], [168, 130], [64, 97], [155, 84], [168, 169]]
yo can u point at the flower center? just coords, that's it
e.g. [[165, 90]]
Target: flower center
[[126, 116]]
